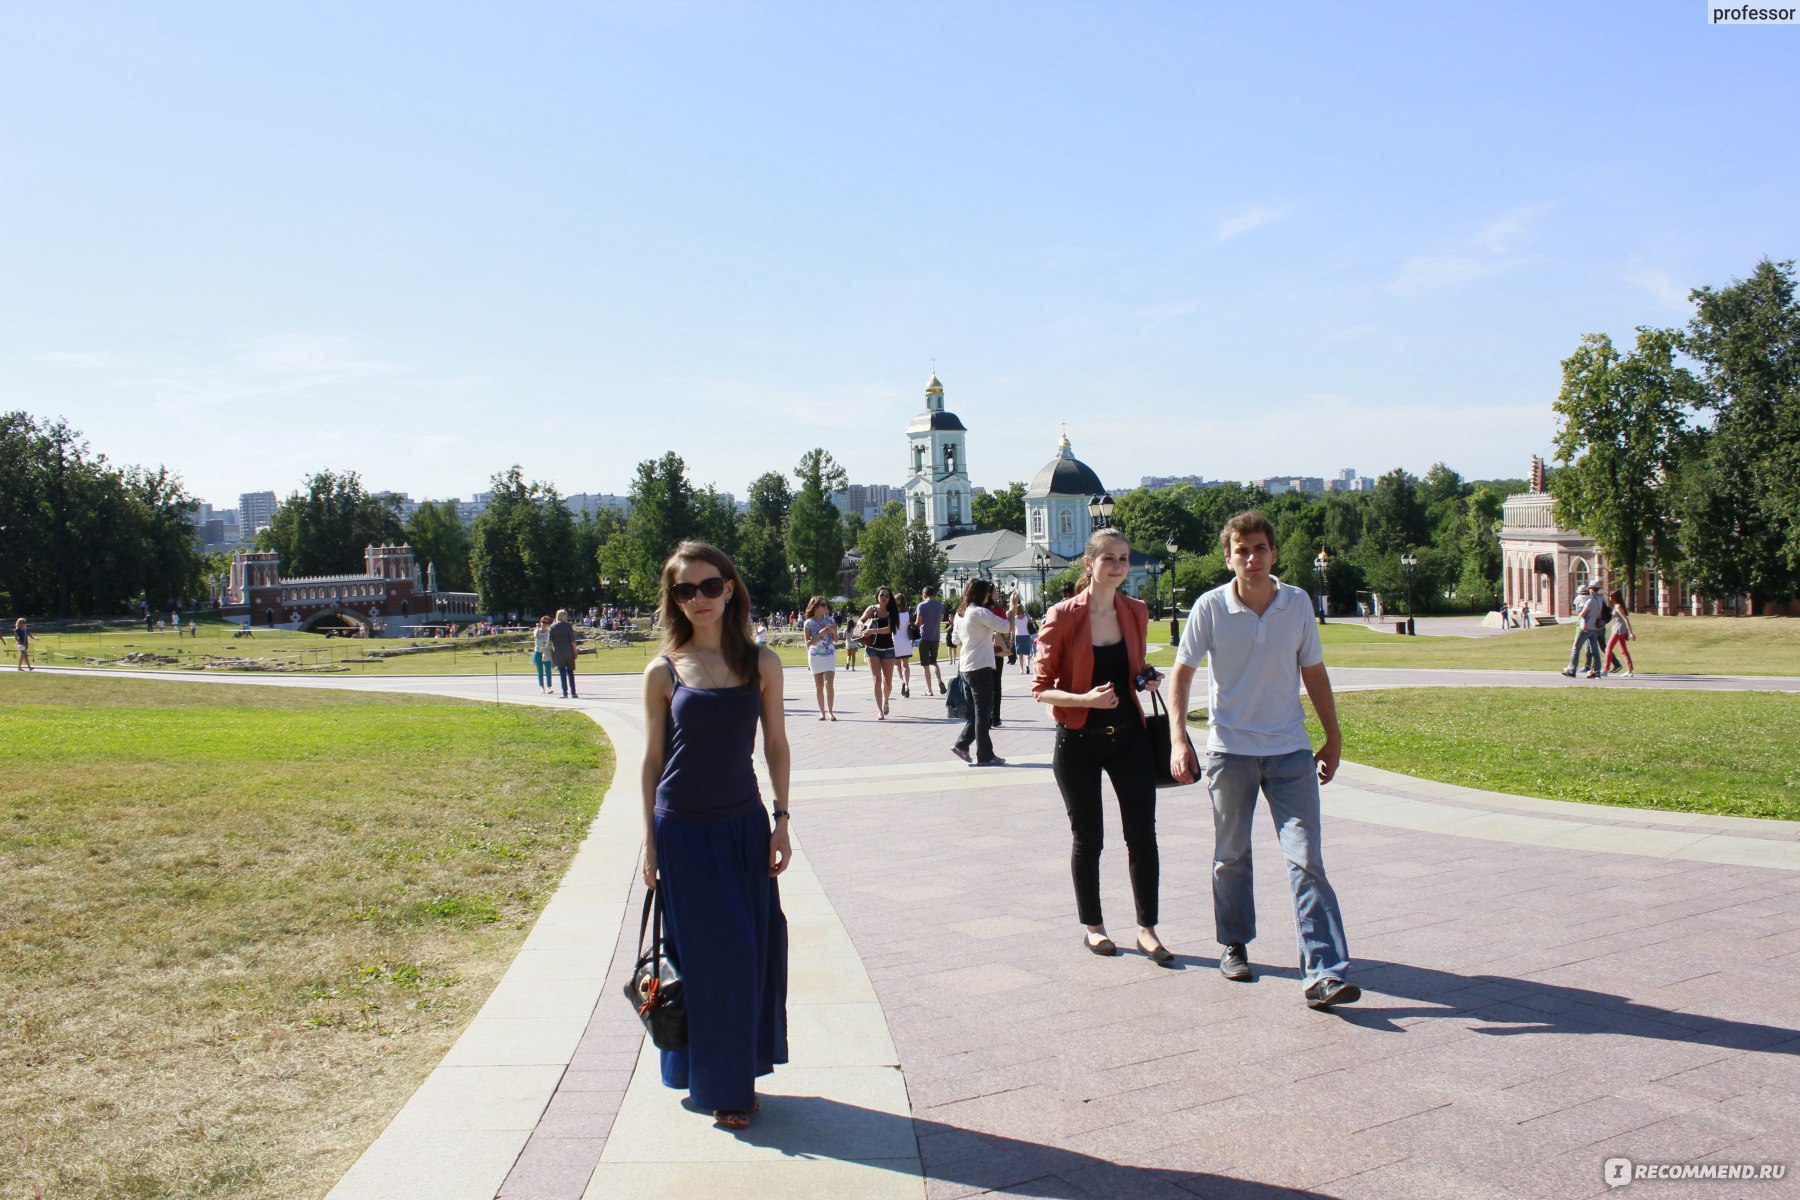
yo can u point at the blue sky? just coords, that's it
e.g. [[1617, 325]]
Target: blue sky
[[427, 241]]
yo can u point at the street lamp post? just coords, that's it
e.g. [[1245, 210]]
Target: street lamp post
[[1042, 562], [1100, 511], [1409, 562], [1174, 549], [798, 571], [1322, 564]]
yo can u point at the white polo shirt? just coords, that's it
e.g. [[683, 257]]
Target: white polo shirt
[[1253, 678]]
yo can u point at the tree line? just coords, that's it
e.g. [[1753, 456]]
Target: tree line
[[1684, 451], [79, 535]]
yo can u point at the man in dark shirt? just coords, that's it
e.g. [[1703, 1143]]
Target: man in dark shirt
[[928, 622], [562, 652]]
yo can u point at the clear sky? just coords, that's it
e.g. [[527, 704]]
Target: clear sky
[[428, 241]]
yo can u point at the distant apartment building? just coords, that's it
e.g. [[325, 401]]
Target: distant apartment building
[[1275, 485], [404, 506], [590, 503], [1347, 480], [1156, 483], [255, 511], [867, 499]]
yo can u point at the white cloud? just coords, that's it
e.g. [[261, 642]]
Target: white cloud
[[1660, 285], [1244, 222], [1497, 237], [1487, 253]]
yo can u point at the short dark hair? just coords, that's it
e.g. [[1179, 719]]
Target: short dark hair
[[1242, 526]]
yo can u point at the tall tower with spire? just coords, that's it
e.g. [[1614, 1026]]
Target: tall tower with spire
[[937, 480]]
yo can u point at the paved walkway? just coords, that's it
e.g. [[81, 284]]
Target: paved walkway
[[1547, 986]]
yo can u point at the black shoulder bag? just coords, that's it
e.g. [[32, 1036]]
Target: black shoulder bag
[[1158, 726], [655, 987]]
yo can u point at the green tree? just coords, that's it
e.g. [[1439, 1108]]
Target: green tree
[[496, 555], [323, 530], [1150, 518], [922, 563], [1395, 520], [762, 542], [883, 546], [1621, 438], [663, 514], [1741, 494], [439, 537], [1004, 509], [815, 533]]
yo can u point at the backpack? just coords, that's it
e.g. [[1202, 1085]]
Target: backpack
[[956, 698], [1606, 613]]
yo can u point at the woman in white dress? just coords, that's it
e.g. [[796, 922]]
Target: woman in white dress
[[903, 645]]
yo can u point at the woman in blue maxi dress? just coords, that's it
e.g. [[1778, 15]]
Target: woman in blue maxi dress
[[710, 846]]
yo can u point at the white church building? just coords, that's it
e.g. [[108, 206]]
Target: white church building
[[1057, 522]]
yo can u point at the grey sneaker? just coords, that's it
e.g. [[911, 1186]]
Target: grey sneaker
[[1234, 964], [1323, 993], [996, 761], [962, 754]]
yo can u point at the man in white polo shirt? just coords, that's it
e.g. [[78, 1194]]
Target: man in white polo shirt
[[1263, 645]]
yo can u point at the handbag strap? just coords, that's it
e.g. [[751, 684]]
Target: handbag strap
[[652, 905]]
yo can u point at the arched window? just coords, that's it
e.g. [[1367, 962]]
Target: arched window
[[1037, 521], [1068, 522], [950, 458], [955, 507], [919, 507], [918, 459]]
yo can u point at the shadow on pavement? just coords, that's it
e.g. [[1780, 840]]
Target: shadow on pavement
[[819, 1128], [1527, 1006]]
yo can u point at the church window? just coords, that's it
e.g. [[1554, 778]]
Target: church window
[[950, 459], [919, 507], [955, 507], [1037, 521], [918, 459], [1068, 523]]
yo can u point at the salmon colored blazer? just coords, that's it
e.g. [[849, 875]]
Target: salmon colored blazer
[[1065, 650]]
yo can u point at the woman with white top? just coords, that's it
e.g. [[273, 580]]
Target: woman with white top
[[976, 627], [821, 654], [1021, 633], [903, 644], [540, 653]]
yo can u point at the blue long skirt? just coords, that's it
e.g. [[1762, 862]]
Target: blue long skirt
[[722, 915]]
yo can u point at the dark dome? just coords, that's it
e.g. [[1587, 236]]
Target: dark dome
[[1065, 476], [935, 420]]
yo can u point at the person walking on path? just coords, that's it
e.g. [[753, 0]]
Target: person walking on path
[[562, 652], [1619, 635], [1587, 632], [928, 632], [1090, 667], [977, 625], [1262, 644], [540, 653], [710, 847], [1021, 633], [903, 644], [878, 621], [821, 654], [23, 635]]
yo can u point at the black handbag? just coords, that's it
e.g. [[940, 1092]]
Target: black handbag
[[1158, 727], [655, 987]]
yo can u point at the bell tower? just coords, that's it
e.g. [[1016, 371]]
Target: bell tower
[[937, 478]]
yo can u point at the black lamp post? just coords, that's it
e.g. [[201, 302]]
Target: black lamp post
[[1100, 510], [1322, 564], [1409, 563], [1042, 562], [1174, 549], [1154, 566], [798, 571]]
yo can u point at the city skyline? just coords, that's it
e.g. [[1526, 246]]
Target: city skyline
[[424, 243]]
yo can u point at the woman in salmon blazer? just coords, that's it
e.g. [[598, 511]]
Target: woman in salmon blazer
[[1090, 668]]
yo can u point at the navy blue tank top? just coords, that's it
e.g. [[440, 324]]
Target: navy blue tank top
[[707, 773]]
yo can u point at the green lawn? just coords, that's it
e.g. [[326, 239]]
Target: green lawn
[[244, 923], [1665, 645], [1716, 752], [287, 651]]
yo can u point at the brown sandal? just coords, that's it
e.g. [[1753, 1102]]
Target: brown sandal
[[736, 1118]]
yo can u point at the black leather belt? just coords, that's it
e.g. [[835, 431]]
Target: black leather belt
[[1092, 730]]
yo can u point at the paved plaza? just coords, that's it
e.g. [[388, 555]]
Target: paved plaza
[[1546, 986]]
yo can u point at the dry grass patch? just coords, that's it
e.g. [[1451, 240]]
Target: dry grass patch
[[246, 922]]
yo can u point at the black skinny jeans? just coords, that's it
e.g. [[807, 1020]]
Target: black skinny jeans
[[982, 686], [1125, 758]]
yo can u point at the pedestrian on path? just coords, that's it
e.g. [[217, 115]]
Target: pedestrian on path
[[23, 635], [1619, 634], [977, 625], [540, 653], [708, 843], [1587, 632], [1090, 667], [903, 644], [928, 631], [878, 621], [562, 652], [1021, 633], [821, 654], [1262, 644]]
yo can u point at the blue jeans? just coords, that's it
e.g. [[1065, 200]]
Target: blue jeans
[[542, 663], [566, 675], [1292, 786], [1591, 639]]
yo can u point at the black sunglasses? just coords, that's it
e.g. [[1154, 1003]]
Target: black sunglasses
[[712, 589]]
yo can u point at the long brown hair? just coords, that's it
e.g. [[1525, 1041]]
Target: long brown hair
[[736, 641], [977, 592], [1095, 541]]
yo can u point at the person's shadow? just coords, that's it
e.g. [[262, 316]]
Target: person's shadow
[[1526, 1006], [814, 1127]]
